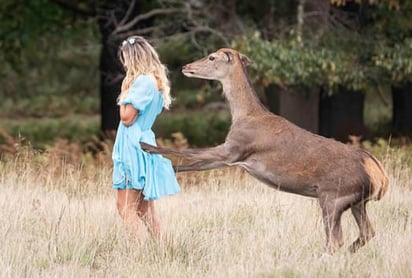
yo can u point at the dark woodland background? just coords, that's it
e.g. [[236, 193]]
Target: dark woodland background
[[339, 68]]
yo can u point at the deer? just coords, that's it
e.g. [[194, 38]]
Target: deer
[[284, 156]]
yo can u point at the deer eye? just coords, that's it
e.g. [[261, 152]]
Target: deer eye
[[211, 58]]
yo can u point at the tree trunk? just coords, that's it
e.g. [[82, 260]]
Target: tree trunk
[[111, 72], [341, 115], [109, 85], [110, 67], [296, 105], [402, 109]]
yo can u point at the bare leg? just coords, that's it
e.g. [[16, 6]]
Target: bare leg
[[127, 204], [366, 231], [147, 212]]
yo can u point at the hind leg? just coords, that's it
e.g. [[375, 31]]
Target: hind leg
[[366, 231], [332, 213], [333, 230]]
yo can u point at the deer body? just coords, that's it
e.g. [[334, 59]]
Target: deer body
[[283, 155]]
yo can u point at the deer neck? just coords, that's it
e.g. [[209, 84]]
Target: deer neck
[[240, 94]]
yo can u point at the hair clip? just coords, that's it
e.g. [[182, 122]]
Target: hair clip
[[131, 41]]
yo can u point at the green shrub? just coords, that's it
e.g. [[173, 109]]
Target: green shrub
[[201, 128], [43, 131]]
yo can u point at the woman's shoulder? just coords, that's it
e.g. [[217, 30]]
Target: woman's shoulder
[[146, 80]]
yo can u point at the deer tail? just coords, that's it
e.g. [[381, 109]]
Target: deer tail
[[378, 178]]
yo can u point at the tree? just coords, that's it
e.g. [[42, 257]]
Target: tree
[[29, 23], [111, 17], [205, 25], [348, 55], [314, 47], [393, 59], [119, 19]]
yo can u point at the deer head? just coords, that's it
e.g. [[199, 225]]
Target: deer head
[[217, 65]]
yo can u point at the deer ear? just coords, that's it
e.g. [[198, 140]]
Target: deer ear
[[246, 61], [229, 56]]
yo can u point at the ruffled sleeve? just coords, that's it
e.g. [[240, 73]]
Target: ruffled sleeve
[[140, 94]]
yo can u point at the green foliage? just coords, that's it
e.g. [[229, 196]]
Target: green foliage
[[26, 23], [40, 132], [49, 105], [55, 75], [391, 34], [291, 62], [374, 53], [50, 60], [204, 128], [396, 61], [393, 4]]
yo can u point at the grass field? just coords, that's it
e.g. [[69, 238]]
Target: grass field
[[58, 219]]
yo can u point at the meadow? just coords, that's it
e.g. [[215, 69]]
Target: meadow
[[58, 219]]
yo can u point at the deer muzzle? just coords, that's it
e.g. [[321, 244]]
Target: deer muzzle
[[187, 70]]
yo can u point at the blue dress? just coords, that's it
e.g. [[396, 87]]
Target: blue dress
[[132, 167]]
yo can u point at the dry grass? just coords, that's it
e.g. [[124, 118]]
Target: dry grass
[[58, 219]]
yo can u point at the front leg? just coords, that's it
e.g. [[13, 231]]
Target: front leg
[[159, 150], [200, 166], [218, 153], [205, 158]]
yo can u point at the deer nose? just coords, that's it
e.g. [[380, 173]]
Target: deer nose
[[186, 68]]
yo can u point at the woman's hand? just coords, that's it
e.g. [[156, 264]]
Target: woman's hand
[[128, 114]]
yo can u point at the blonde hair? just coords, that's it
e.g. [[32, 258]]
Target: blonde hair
[[139, 57]]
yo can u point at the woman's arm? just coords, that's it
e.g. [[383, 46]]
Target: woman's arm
[[128, 114]]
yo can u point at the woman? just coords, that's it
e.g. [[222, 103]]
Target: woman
[[140, 177]]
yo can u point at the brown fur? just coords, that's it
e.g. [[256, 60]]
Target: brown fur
[[377, 176], [285, 156]]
